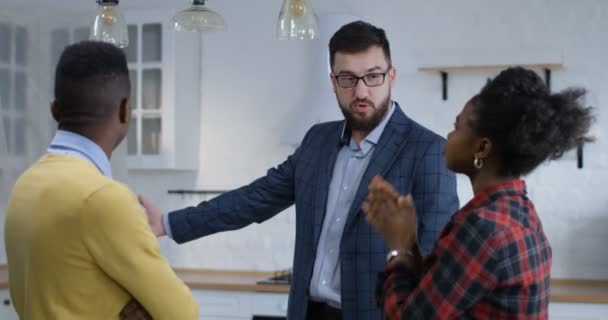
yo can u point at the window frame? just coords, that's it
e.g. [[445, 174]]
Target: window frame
[[162, 160], [8, 156]]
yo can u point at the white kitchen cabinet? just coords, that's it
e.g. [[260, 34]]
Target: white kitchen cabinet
[[213, 304], [7, 311], [269, 304], [165, 70], [577, 311], [165, 73], [222, 305], [240, 305]]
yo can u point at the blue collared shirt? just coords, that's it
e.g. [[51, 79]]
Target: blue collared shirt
[[351, 164], [73, 144]]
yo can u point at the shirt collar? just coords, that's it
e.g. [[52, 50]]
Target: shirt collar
[[70, 143], [372, 138], [512, 187]]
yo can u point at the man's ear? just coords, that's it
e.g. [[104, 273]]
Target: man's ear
[[124, 111], [55, 110], [392, 75], [333, 81]]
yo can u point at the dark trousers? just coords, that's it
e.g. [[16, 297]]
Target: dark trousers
[[322, 311]]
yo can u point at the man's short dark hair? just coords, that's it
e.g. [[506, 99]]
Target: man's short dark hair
[[357, 37], [91, 79]]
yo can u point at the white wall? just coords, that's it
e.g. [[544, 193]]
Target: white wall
[[251, 84], [256, 91]]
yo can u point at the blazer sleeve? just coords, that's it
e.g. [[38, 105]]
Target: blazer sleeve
[[434, 193], [116, 233], [257, 202]]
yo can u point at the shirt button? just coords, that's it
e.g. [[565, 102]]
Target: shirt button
[[338, 219], [324, 282], [345, 188]]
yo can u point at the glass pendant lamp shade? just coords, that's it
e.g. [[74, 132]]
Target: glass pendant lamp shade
[[109, 24], [297, 21], [198, 18]]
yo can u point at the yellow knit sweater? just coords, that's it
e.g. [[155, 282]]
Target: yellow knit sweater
[[79, 247]]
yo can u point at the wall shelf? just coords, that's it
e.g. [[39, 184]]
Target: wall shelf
[[490, 67], [445, 70]]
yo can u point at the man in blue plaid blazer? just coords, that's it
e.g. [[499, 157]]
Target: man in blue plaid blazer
[[337, 254]]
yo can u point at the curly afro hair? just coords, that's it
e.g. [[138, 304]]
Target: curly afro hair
[[526, 123]]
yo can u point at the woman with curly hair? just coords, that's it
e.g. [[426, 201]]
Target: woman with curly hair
[[492, 260]]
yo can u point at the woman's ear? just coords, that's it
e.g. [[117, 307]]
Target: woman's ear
[[484, 148]]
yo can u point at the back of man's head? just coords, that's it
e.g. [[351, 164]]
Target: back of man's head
[[91, 82], [356, 37]]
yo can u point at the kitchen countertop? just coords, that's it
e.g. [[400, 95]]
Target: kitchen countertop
[[562, 290], [209, 280], [579, 291], [229, 280]]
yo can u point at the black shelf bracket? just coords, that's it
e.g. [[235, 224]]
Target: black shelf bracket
[[444, 85], [579, 155], [543, 69]]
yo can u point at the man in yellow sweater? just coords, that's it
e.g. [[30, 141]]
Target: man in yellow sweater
[[78, 243]]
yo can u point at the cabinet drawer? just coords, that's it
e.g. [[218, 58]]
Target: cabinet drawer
[[269, 304], [7, 310], [577, 311], [223, 303]]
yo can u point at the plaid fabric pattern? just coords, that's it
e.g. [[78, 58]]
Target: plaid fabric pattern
[[492, 261], [407, 155]]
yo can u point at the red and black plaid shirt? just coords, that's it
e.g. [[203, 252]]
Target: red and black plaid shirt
[[491, 261]]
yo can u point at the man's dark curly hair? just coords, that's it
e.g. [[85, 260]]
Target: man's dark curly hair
[[526, 123], [357, 37]]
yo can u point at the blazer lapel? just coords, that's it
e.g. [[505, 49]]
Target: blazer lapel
[[327, 160], [393, 139]]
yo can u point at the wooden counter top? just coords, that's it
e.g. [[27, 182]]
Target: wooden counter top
[[562, 290], [229, 280], [208, 280], [3, 276], [579, 291]]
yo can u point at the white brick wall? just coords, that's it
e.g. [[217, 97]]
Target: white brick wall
[[257, 90], [571, 202]]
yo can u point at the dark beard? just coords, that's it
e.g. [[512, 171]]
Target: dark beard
[[366, 125]]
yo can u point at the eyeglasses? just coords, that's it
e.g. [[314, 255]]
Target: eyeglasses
[[371, 79]]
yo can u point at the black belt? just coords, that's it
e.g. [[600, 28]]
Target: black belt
[[322, 311]]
